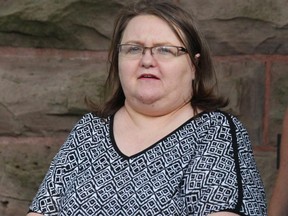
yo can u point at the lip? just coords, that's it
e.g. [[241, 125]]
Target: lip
[[148, 76]]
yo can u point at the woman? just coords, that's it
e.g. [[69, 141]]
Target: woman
[[279, 202], [158, 146]]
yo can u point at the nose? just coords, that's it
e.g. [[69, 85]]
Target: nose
[[147, 48], [148, 59]]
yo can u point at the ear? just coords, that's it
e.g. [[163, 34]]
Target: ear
[[197, 57]]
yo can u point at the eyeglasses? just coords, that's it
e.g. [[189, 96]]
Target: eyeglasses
[[134, 51]]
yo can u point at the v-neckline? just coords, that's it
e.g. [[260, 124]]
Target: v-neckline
[[117, 149]]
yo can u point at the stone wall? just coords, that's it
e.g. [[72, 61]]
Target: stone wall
[[53, 55]]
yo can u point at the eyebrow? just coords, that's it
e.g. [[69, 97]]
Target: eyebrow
[[156, 44]]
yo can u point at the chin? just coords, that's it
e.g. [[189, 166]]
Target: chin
[[148, 100]]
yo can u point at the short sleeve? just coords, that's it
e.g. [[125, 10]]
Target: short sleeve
[[63, 168], [252, 191], [217, 176]]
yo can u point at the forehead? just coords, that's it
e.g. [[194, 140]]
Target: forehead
[[149, 28]]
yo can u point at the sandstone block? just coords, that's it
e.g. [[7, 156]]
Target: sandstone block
[[266, 163], [278, 99], [42, 93], [23, 164], [243, 82]]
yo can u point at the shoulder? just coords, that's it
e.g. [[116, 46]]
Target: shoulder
[[85, 129], [90, 119], [213, 126], [219, 122], [88, 125], [218, 118], [226, 118]]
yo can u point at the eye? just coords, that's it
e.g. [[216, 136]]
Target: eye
[[133, 49], [166, 50]]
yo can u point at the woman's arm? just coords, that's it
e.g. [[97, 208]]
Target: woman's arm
[[279, 201], [34, 214], [223, 214]]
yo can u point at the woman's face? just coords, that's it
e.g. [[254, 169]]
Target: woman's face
[[152, 85]]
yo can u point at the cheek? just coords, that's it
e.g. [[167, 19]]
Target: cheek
[[191, 68], [122, 69], [187, 77], [126, 71], [126, 66], [120, 66], [190, 72]]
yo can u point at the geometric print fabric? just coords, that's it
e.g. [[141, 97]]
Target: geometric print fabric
[[191, 171]]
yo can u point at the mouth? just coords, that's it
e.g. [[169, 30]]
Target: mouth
[[148, 76]]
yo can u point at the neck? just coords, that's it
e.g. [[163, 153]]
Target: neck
[[144, 120]]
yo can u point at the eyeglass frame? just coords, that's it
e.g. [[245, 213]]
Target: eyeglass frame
[[179, 49]]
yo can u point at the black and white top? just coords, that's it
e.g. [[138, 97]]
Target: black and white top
[[206, 165]]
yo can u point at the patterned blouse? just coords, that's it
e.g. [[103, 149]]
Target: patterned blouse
[[206, 165]]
